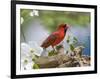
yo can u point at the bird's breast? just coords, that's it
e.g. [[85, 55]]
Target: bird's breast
[[60, 36]]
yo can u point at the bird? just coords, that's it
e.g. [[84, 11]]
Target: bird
[[56, 37]]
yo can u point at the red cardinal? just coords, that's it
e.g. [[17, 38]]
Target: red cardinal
[[56, 37]]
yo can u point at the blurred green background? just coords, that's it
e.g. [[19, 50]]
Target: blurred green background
[[51, 19]]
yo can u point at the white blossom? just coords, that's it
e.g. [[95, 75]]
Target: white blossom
[[34, 13], [29, 52], [22, 20]]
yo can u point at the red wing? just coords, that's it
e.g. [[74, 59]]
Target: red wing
[[50, 40]]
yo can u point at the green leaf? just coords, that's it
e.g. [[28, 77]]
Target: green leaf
[[71, 47], [58, 47], [25, 61], [75, 39], [52, 53], [68, 39], [35, 57], [35, 66]]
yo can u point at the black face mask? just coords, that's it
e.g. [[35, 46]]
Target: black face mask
[[65, 30]]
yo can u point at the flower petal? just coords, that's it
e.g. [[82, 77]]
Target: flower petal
[[29, 66], [24, 49], [38, 50], [22, 20], [36, 13], [31, 14]]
